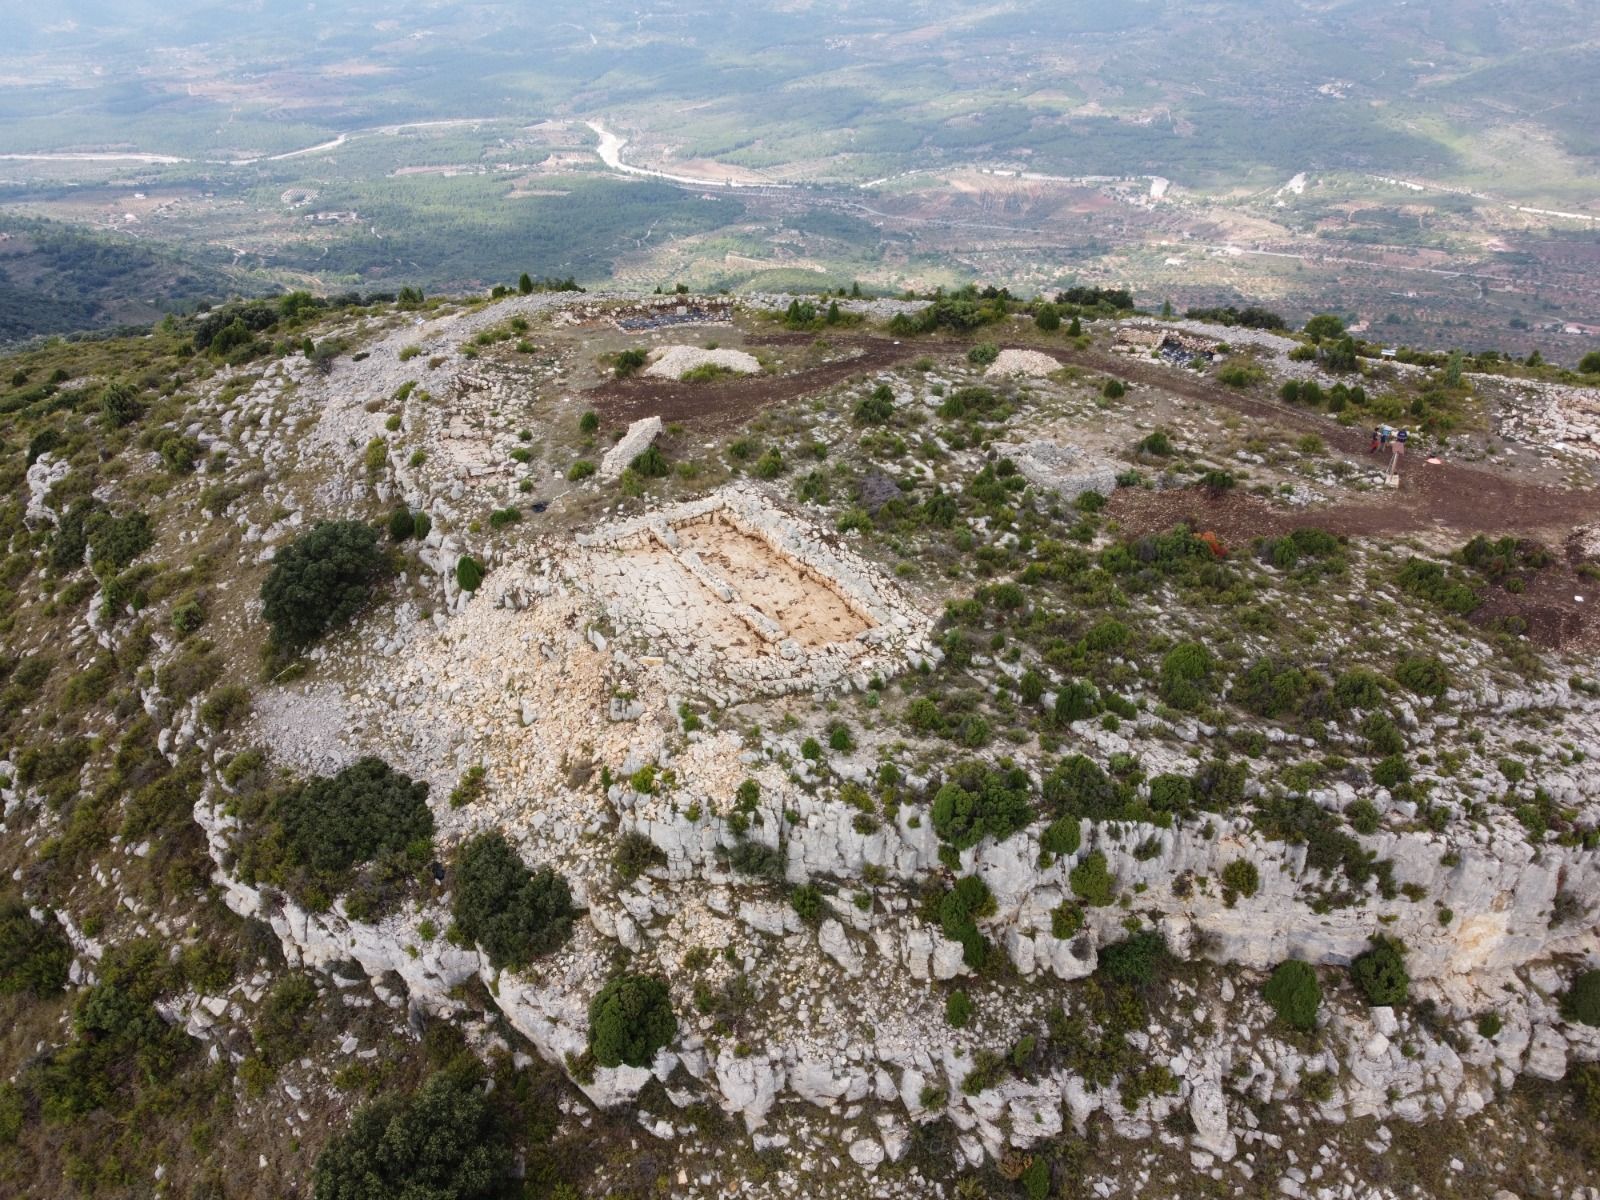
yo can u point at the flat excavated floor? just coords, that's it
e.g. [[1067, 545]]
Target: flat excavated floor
[[665, 599], [805, 607]]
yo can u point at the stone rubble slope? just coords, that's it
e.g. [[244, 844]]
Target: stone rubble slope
[[674, 362], [1022, 364]]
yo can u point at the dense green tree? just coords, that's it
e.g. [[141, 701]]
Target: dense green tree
[[979, 802], [514, 913], [1048, 317], [1324, 327], [332, 823], [1590, 363], [34, 956], [1380, 972], [630, 1019], [444, 1142], [525, 284], [321, 580], [1581, 1003], [119, 404], [1294, 994]]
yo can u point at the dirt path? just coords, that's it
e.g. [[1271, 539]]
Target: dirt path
[[1448, 497], [724, 403]]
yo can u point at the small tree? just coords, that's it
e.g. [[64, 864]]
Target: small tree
[[1294, 994], [1324, 327], [1092, 882], [1582, 1000], [1242, 878], [630, 1019], [1590, 363], [525, 284], [1047, 318], [119, 404], [515, 914], [402, 524], [34, 957], [1380, 972], [333, 823], [444, 1142], [469, 573], [1137, 959], [1076, 328], [321, 580]]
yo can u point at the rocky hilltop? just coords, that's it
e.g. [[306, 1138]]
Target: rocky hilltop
[[842, 761]]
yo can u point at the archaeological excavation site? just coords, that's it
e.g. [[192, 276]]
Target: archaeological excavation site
[[892, 747]]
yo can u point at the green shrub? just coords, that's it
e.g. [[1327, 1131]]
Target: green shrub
[[635, 854], [1036, 1178], [1114, 389], [1241, 876], [1294, 994], [1066, 919], [114, 542], [1062, 836], [979, 802], [1269, 689], [1135, 960], [470, 788], [1358, 689], [958, 1009], [983, 354], [443, 1142], [1077, 786], [225, 707], [1489, 1026], [1157, 445], [515, 914], [1047, 317], [402, 524], [960, 910], [34, 956], [1186, 675], [580, 470], [320, 580], [806, 900], [1380, 972], [1075, 701], [876, 408], [626, 363], [1091, 881], [1425, 676], [119, 404], [333, 823], [757, 860], [630, 1019], [1391, 772], [469, 573], [1171, 793], [1581, 1003], [1364, 816], [651, 464]]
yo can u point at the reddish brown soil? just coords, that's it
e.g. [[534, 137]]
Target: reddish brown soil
[[1449, 496], [1451, 500], [728, 402]]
